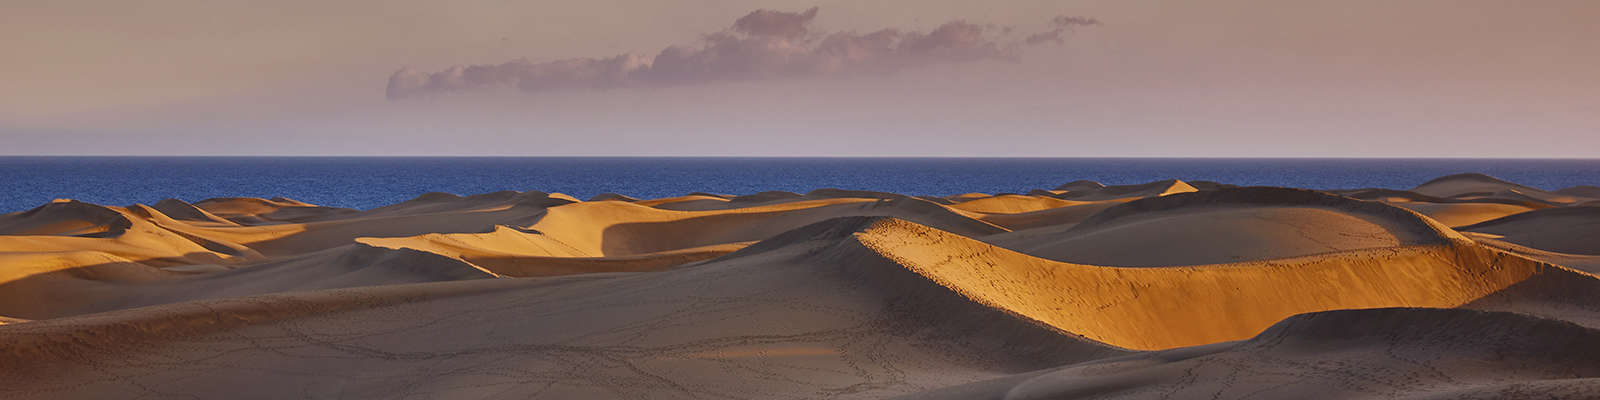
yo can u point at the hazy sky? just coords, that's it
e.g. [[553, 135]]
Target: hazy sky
[[1441, 78]]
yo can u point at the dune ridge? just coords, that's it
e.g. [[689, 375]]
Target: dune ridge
[[1226, 225], [1466, 286], [1157, 308]]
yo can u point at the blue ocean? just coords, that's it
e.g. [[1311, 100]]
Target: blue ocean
[[367, 182]]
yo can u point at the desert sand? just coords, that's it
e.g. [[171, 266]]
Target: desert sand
[[1466, 286]]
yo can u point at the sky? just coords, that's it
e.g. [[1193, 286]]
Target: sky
[[1022, 78]]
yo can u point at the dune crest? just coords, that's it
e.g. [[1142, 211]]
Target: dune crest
[[1480, 186], [512, 252], [1158, 308], [1227, 225], [1168, 288]]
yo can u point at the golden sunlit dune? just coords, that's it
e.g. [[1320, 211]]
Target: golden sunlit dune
[[1226, 226], [1166, 288], [511, 252], [1157, 308], [619, 228], [1012, 204]]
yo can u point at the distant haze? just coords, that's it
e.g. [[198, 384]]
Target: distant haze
[[1230, 78]]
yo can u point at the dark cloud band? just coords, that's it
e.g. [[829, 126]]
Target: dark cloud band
[[763, 44]]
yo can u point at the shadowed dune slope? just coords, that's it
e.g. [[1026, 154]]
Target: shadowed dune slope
[[810, 311], [65, 218], [613, 197], [1588, 191], [856, 307], [437, 203], [705, 202], [1227, 225], [830, 193], [1398, 353], [434, 214], [1081, 185], [183, 211], [252, 211], [1406, 196], [767, 196], [1480, 186], [1047, 221], [1462, 214], [1449, 211], [686, 203], [1088, 191], [965, 197], [1572, 230], [1136, 291], [1583, 262], [97, 282], [41, 285]]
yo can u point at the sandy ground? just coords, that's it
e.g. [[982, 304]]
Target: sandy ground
[[1464, 287]]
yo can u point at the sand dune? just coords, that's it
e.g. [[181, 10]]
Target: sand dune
[[1573, 230], [1473, 186], [183, 211], [1048, 221], [785, 319], [1156, 308], [1381, 353], [959, 198], [434, 203], [251, 211], [1081, 185], [686, 203], [856, 307], [1462, 214], [1590, 263], [69, 226], [1449, 211], [1094, 191], [1227, 225], [1588, 191], [440, 213], [613, 197], [1393, 196], [66, 218], [1013, 204], [97, 282], [622, 229], [1168, 288], [512, 252], [52, 284]]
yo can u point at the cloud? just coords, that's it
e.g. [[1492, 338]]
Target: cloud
[[1058, 35], [764, 44], [775, 23]]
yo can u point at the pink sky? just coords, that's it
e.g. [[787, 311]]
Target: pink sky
[[1435, 78]]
